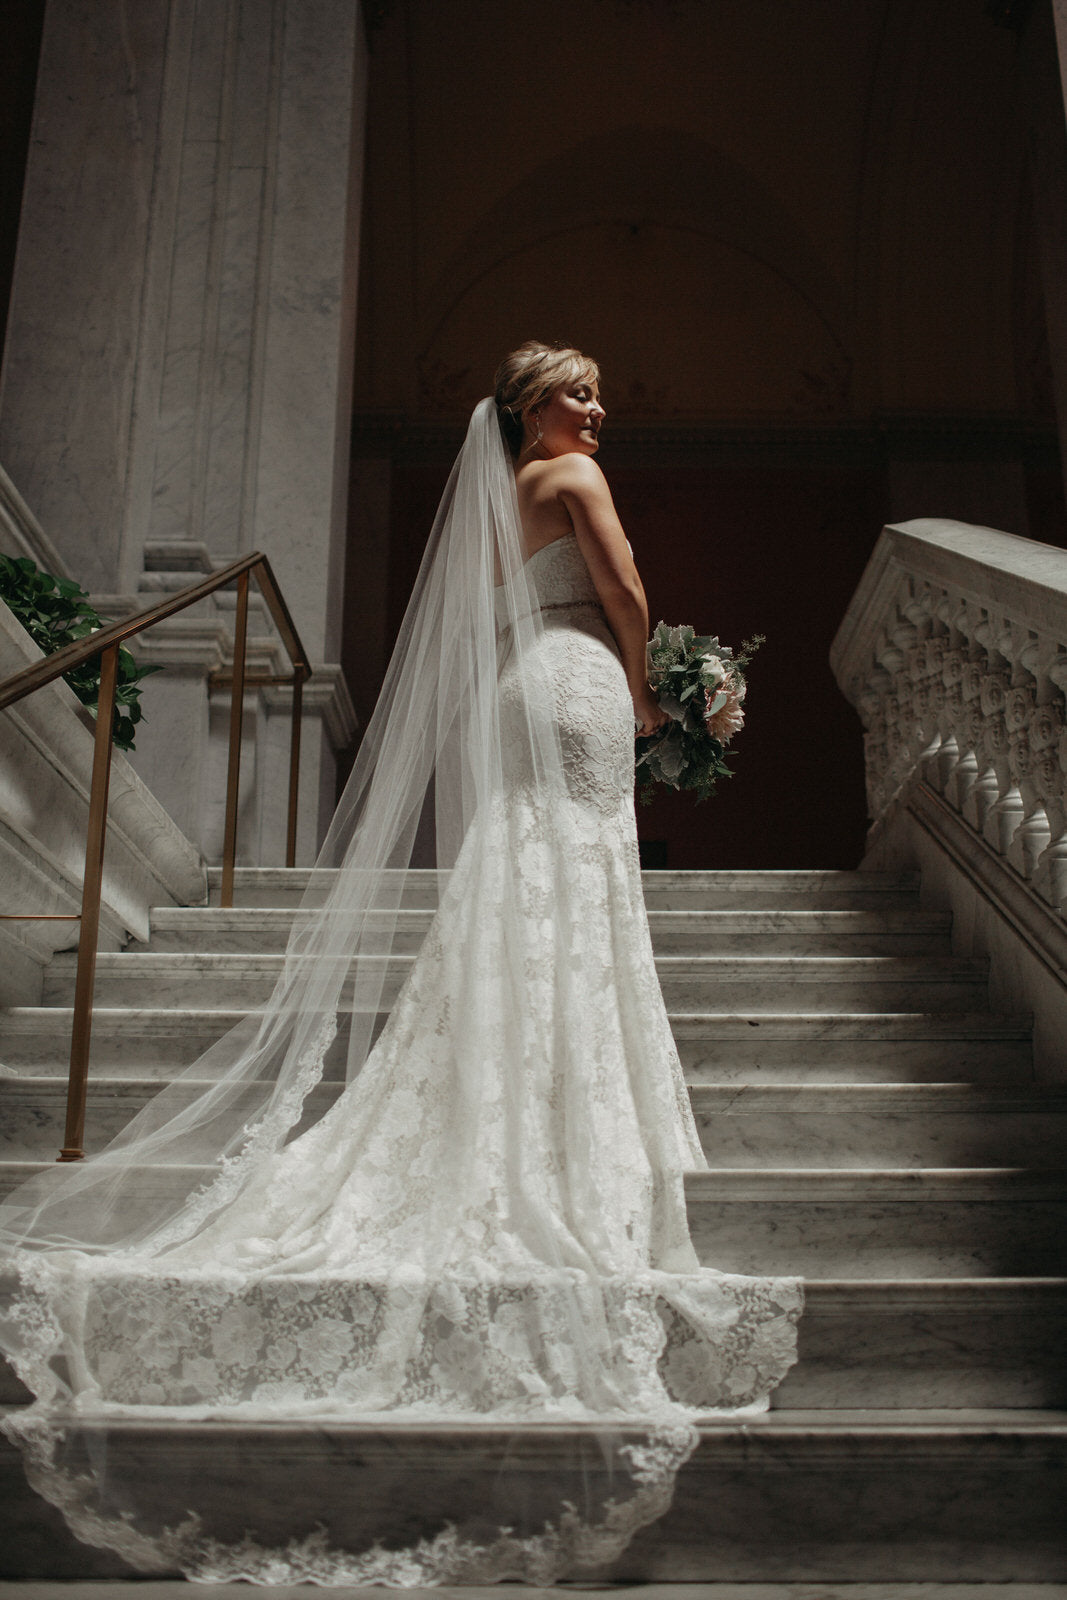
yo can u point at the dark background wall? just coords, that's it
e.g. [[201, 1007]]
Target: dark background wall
[[810, 245], [802, 242]]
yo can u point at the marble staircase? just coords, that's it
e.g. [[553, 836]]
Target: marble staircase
[[869, 1122]]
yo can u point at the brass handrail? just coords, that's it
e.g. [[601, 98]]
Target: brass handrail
[[105, 642]]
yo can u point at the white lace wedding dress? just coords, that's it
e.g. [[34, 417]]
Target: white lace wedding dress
[[490, 1222]]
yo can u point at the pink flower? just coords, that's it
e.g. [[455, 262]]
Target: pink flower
[[723, 715]]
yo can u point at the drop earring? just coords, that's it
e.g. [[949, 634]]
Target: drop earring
[[534, 442]]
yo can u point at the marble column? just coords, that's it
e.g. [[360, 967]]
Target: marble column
[[176, 386]]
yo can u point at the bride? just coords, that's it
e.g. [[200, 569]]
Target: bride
[[488, 1224]]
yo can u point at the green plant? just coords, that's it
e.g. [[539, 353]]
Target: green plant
[[55, 612]]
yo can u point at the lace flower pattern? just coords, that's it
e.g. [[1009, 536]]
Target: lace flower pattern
[[489, 1224]]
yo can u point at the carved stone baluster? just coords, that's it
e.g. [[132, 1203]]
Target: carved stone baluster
[[951, 721], [1004, 820], [964, 778], [870, 701], [969, 724], [928, 708], [984, 795], [903, 635], [1047, 735], [1051, 875], [1031, 836], [1048, 742], [949, 756], [986, 790], [1006, 812], [899, 732]]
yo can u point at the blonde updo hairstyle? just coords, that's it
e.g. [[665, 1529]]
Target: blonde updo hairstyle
[[529, 376]]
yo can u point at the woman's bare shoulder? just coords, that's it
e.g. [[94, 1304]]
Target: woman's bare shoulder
[[574, 472]]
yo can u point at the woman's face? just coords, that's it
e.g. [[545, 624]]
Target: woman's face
[[570, 420]]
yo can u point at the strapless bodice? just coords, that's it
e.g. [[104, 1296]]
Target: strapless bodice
[[560, 577]]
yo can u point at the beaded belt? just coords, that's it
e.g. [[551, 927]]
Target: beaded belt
[[556, 605]]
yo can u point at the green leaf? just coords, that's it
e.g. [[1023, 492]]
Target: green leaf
[[56, 612]]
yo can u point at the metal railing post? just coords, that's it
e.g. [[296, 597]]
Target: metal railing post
[[294, 770], [92, 882], [237, 705], [106, 642]]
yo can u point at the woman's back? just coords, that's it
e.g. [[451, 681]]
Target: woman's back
[[542, 511]]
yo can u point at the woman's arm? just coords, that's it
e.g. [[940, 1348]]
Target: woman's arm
[[583, 489]]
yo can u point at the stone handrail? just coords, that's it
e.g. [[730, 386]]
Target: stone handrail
[[954, 653]]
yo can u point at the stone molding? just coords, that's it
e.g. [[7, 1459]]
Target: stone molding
[[182, 743], [325, 695], [981, 565], [22, 535], [200, 640]]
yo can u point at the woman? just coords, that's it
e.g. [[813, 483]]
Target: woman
[[554, 427], [489, 1223]]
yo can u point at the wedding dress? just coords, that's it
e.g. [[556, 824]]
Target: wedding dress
[[489, 1223]]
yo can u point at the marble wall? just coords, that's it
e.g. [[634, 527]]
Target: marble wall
[[176, 387]]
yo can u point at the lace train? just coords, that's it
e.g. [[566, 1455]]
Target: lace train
[[488, 1226]]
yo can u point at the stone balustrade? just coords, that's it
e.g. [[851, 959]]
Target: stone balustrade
[[954, 653]]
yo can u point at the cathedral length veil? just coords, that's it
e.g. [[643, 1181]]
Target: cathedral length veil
[[92, 1253]]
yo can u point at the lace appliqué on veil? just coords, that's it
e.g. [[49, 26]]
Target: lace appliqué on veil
[[488, 1226]]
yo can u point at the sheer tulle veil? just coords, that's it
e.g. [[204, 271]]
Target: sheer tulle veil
[[432, 747], [431, 763]]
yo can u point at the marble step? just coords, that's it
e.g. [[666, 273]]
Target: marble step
[[728, 983], [871, 1125], [929, 1342], [664, 891], [788, 1047], [854, 1047], [898, 1223], [755, 1125], [835, 1223], [880, 1125], [263, 930], [962, 1495], [918, 1342]]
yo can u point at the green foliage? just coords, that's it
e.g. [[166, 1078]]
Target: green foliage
[[55, 612], [692, 675]]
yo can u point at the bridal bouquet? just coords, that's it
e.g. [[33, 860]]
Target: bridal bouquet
[[700, 683]]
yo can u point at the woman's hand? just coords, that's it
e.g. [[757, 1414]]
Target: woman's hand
[[650, 715]]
